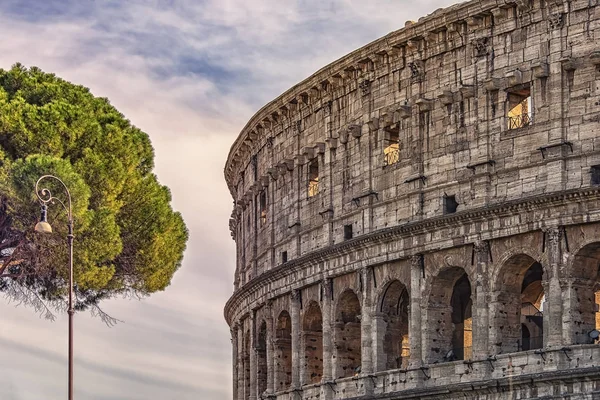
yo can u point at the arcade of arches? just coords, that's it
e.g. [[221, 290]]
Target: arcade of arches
[[516, 294]]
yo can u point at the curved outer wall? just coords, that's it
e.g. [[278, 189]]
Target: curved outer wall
[[421, 217]]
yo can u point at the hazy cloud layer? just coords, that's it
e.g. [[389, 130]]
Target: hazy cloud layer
[[190, 74]]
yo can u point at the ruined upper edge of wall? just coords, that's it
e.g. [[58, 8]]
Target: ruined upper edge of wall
[[256, 130]]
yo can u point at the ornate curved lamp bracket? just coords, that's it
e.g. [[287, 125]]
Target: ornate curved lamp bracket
[[45, 196]]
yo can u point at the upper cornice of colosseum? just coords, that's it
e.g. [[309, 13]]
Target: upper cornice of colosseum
[[394, 44]]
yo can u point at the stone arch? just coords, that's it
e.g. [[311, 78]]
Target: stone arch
[[585, 292], [347, 335], [517, 301], [512, 254], [283, 351], [261, 358], [448, 316], [391, 321], [312, 339]]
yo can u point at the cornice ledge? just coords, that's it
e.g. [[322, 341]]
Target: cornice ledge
[[410, 228]]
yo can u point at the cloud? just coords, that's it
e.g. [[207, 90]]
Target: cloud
[[190, 74]]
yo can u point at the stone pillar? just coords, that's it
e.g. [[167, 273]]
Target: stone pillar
[[270, 350], [378, 332], [295, 315], [365, 323], [253, 358], [326, 305], [416, 324], [552, 289], [415, 336], [302, 355], [241, 385], [234, 359], [480, 300]]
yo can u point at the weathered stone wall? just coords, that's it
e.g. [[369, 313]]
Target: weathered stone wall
[[432, 196]]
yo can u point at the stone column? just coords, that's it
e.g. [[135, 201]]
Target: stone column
[[480, 300], [326, 305], [552, 289], [378, 333], [241, 386], [365, 323], [415, 337], [234, 359], [416, 324], [270, 350], [253, 358], [295, 315]]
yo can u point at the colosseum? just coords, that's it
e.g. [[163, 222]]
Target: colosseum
[[421, 218]]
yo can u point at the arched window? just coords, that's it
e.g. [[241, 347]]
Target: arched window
[[312, 339], [347, 336], [393, 309], [261, 353], [517, 301], [448, 317], [462, 336], [283, 351], [585, 293]]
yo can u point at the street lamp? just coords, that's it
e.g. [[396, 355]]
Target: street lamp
[[45, 196]]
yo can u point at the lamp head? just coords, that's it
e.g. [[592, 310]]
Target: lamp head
[[43, 226]]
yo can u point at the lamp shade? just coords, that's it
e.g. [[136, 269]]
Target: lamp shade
[[43, 227]]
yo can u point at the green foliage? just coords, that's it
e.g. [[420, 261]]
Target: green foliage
[[127, 237]]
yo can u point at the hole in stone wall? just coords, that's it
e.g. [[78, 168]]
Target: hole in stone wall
[[347, 231], [450, 204], [595, 175], [284, 257]]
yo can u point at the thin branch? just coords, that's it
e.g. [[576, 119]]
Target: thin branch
[[110, 321]]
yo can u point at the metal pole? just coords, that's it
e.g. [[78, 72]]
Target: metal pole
[[45, 197], [70, 311]]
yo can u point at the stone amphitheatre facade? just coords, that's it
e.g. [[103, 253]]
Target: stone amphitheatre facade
[[421, 218]]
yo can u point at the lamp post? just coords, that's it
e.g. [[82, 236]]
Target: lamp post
[[45, 196]]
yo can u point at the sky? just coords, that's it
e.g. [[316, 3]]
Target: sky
[[189, 73]]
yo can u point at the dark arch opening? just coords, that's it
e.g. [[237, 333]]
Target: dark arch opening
[[518, 303], [394, 311], [283, 351], [532, 314], [462, 335], [347, 335], [449, 332], [312, 331], [586, 292], [525, 337], [261, 353]]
